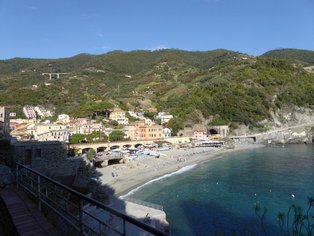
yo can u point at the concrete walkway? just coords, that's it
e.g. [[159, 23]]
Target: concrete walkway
[[26, 219]]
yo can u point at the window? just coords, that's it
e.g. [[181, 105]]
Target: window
[[38, 152], [28, 157]]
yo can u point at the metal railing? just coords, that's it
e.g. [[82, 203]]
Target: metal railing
[[80, 214]]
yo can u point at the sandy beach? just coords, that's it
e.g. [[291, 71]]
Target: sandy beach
[[137, 172]]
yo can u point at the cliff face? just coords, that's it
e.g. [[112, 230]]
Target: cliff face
[[288, 125], [289, 136], [292, 116]]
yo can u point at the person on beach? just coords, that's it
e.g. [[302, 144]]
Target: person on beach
[[147, 218]]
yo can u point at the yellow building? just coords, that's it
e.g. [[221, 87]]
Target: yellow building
[[140, 131], [119, 115]]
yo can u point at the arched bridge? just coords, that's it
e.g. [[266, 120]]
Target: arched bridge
[[99, 147]]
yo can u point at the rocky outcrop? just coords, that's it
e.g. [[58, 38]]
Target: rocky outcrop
[[100, 192], [289, 136], [287, 125]]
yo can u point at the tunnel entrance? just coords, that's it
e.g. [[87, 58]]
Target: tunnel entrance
[[85, 150], [213, 132], [114, 147], [138, 145], [113, 161], [101, 149]]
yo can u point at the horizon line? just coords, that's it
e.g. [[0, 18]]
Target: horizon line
[[148, 50]]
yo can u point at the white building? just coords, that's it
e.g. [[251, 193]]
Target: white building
[[164, 118], [39, 111], [43, 112], [64, 118], [12, 114], [141, 117], [85, 126], [4, 122], [29, 112], [49, 132], [59, 135], [166, 132]]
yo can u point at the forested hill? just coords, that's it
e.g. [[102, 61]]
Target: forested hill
[[118, 61], [223, 87], [293, 55]]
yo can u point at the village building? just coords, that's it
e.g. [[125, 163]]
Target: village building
[[4, 122], [39, 111], [152, 109], [49, 132], [12, 114], [166, 132], [164, 118], [120, 116], [63, 118], [148, 121], [85, 126], [19, 128], [29, 112], [101, 113], [200, 134], [140, 131]]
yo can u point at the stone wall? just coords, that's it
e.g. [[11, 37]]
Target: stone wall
[[48, 158]]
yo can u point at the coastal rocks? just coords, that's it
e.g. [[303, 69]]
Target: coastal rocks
[[84, 171], [289, 136], [6, 176], [290, 116], [288, 125], [99, 191]]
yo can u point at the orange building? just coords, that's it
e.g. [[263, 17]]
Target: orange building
[[140, 131]]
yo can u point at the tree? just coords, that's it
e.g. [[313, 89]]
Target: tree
[[91, 154], [116, 135], [175, 124], [149, 115], [76, 138]]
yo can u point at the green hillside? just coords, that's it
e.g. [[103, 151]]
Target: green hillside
[[222, 86], [293, 55]]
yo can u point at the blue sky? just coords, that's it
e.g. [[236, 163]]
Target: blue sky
[[63, 28]]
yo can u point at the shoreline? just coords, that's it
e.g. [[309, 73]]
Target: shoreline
[[133, 175]]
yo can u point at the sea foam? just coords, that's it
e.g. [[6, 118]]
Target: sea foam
[[180, 171]]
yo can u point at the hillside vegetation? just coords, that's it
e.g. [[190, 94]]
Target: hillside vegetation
[[220, 86], [292, 55]]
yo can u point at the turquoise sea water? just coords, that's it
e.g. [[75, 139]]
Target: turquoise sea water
[[218, 196]]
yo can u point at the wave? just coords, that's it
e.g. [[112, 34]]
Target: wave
[[180, 171]]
